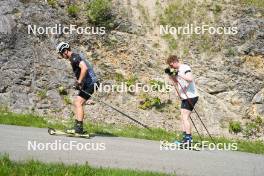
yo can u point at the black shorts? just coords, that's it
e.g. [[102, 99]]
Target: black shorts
[[87, 91], [189, 104]]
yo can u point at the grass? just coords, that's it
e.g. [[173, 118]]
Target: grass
[[144, 13], [130, 131], [8, 167], [256, 3], [172, 42], [23, 120]]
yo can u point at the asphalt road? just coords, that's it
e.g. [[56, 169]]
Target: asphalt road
[[119, 152]]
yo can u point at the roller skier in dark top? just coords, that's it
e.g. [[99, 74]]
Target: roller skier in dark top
[[85, 83]]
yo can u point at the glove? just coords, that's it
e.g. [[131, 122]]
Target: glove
[[167, 71], [78, 86], [171, 73]]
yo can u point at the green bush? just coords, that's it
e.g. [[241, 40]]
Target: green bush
[[235, 127], [131, 80], [62, 90], [259, 121], [99, 12], [231, 52], [251, 129], [217, 9], [150, 102], [157, 85], [73, 10], [52, 3], [67, 100], [119, 77]]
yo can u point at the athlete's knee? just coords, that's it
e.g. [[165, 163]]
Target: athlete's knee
[[78, 103], [185, 114]]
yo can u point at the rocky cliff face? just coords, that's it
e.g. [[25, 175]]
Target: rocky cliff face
[[228, 69]]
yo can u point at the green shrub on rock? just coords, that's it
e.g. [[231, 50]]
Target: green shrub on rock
[[73, 10], [235, 127], [99, 12]]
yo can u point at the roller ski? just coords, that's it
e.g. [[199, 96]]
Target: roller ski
[[68, 132], [76, 131]]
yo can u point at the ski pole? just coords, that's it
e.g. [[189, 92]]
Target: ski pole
[[134, 120], [190, 117], [188, 99]]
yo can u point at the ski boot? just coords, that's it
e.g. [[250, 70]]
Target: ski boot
[[78, 128], [185, 143]]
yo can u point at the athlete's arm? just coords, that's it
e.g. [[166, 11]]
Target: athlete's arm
[[84, 69], [187, 77]]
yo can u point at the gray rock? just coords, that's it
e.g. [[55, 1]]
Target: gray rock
[[259, 97], [251, 32]]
